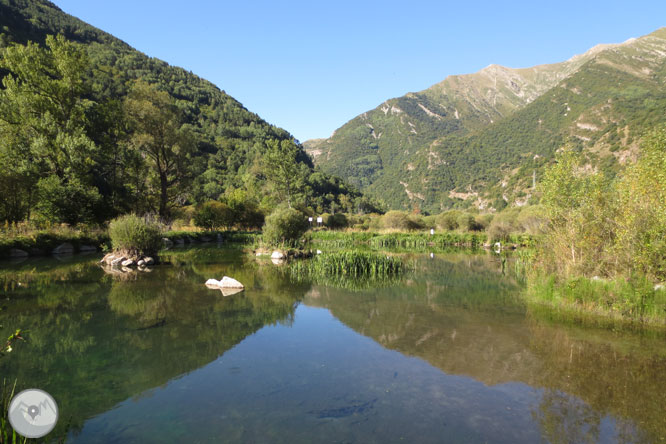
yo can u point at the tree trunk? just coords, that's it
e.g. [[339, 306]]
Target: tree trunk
[[164, 200]]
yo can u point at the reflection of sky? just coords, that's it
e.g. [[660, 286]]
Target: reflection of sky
[[319, 380]]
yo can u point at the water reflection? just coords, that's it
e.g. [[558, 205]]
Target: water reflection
[[97, 339], [107, 346], [461, 318]]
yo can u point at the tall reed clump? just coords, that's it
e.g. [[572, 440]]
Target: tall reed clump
[[349, 263], [135, 235]]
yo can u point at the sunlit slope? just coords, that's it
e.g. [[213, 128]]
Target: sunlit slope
[[459, 141]]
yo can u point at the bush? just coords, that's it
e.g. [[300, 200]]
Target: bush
[[214, 215], [337, 220], [532, 219], [135, 234], [467, 222], [70, 202], [399, 220], [285, 226], [499, 230], [448, 220]]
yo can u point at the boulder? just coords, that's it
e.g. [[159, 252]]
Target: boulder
[[141, 263], [278, 255], [107, 258], [149, 260], [230, 291], [65, 248], [658, 287], [167, 242], [87, 248], [117, 261], [16, 252], [226, 282], [127, 263]]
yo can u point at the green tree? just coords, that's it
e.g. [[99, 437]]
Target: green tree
[[283, 170], [158, 133], [43, 121]]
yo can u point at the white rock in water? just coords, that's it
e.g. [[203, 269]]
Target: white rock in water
[[226, 282], [127, 263], [213, 283], [277, 255], [149, 260]]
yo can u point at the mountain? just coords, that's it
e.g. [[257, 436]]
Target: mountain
[[481, 139], [230, 140]]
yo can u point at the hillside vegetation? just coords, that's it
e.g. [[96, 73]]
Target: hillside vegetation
[[91, 128], [480, 139]]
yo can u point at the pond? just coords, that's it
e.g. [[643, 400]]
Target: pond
[[448, 353]]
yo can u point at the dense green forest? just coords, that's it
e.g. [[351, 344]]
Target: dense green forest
[[91, 128], [479, 139]]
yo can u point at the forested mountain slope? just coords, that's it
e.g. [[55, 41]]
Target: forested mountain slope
[[479, 139], [228, 141]]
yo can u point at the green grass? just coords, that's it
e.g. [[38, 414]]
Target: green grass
[[349, 269], [46, 240], [633, 301]]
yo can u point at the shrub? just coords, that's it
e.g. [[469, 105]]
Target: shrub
[[499, 230], [448, 220], [399, 220], [214, 215], [70, 202], [135, 234], [532, 219], [467, 222], [285, 226], [337, 220]]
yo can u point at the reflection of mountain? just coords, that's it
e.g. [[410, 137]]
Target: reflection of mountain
[[454, 320], [103, 340]]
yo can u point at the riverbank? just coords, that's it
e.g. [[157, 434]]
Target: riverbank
[[69, 241], [635, 301], [413, 240]]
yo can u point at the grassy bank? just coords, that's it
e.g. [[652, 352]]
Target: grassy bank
[[411, 240], [632, 301], [43, 242]]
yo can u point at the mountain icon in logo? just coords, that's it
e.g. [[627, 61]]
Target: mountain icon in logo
[[33, 413]]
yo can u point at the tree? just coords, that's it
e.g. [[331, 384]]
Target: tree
[[43, 117], [283, 170], [163, 141]]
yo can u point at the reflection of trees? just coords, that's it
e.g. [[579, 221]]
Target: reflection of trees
[[95, 341], [464, 319], [564, 419]]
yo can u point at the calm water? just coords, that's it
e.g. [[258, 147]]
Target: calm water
[[448, 354]]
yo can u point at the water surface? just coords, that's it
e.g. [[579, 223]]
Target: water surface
[[447, 354]]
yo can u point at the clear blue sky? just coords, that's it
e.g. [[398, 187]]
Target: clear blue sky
[[310, 66]]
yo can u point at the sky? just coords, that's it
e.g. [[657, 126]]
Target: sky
[[311, 66]]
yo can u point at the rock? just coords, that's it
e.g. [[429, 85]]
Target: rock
[[141, 263], [278, 261], [16, 252], [167, 242], [278, 255], [107, 258], [126, 270], [127, 263], [87, 248], [65, 248], [149, 260], [226, 282], [318, 251], [659, 287], [230, 291], [117, 261]]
